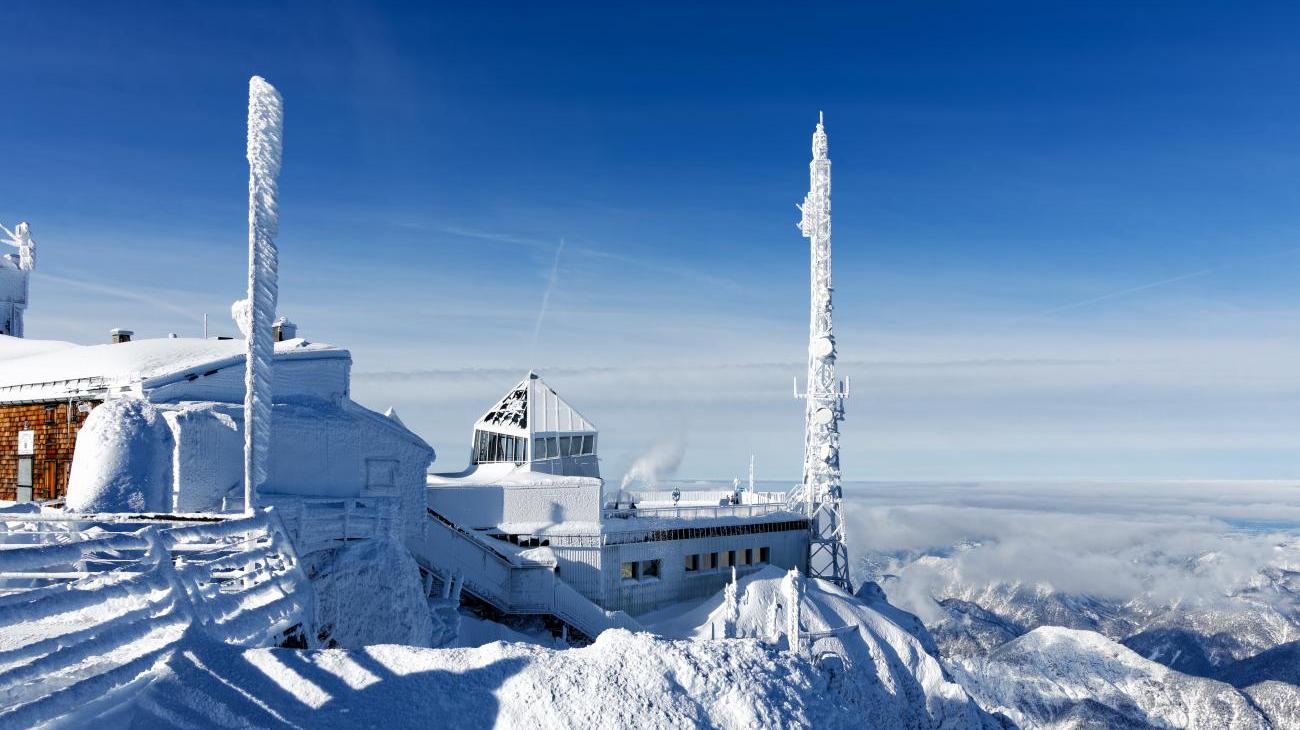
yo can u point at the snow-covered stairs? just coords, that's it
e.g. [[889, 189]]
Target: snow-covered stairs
[[88, 606], [510, 586]]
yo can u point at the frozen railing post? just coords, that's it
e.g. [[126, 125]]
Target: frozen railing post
[[265, 129]]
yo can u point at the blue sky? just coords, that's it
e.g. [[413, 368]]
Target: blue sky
[[1065, 237]]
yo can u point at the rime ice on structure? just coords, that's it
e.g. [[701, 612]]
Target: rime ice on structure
[[819, 494], [265, 121], [15, 268]]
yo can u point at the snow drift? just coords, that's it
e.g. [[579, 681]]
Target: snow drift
[[122, 461]]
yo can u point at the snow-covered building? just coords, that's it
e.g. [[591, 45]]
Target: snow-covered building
[[533, 492], [156, 425]]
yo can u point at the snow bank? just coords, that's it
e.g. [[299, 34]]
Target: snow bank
[[622, 680], [370, 593], [122, 461], [879, 669]]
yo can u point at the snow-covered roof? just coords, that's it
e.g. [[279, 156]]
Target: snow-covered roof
[[533, 407], [43, 369]]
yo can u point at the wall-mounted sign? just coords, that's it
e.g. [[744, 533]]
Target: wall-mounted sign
[[26, 443]]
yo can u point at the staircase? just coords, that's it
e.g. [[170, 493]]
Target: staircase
[[510, 586]]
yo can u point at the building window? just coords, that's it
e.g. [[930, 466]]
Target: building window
[[713, 561], [566, 446], [49, 415], [552, 447], [589, 444], [628, 571], [764, 555], [728, 558], [692, 563], [748, 557], [650, 569]]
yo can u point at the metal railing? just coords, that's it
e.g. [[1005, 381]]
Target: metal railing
[[696, 512]]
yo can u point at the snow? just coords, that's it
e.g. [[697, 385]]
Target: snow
[[1054, 678], [891, 681], [622, 680], [122, 461], [149, 363], [369, 592]]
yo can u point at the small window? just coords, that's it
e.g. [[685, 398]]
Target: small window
[[539, 449], [566, 446], [728, 558], [713, 561], [692, 563], [588, 444], [628, 571], [552, 447], [650, 569], [764, 555], [748, 557], [49, 415]]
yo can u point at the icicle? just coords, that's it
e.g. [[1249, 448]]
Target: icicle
[[265, 129]]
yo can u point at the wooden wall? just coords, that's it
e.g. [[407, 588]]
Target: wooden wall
[[54, 440]]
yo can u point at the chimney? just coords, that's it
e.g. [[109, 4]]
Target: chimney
[[117, 334], [283, 329]]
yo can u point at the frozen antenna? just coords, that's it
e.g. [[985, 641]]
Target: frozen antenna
[[819, 494]]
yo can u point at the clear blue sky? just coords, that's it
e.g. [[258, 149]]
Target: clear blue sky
[[1065, 235]]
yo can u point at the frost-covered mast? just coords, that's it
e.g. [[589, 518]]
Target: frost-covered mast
[[819, 494], [265, 123], [14, 272]]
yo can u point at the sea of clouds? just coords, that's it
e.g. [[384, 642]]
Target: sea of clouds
[[1196, 543]]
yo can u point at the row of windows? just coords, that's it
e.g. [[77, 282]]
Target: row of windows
[[556, 446], [638, 569], [491, 447], [726, 559]]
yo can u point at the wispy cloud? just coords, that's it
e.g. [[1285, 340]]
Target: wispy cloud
[[551, 282], [136, 295]]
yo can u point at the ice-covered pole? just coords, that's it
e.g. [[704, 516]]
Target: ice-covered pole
[[265, 128]]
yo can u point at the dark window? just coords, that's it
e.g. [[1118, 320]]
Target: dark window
[[713, 561], [731, 559], [539, 449], [692, 563], [764, 555], [49, 415], [552, 447], [650, 568], [749, 557], [589, 444], [627, 571]]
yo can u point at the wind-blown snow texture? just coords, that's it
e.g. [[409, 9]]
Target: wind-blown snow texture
[[265, 122]]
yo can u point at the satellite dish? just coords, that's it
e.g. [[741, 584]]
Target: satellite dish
[[823, 416], [822, 346]]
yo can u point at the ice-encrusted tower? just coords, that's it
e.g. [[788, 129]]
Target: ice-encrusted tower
[[819, 494], [15, 269]]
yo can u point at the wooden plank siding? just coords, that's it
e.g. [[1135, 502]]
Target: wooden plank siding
[[55, 438]]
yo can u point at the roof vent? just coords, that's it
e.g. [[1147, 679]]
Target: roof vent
[[284, 329], [117, 334]]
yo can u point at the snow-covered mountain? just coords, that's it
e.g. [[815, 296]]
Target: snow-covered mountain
[[1202, 636], [1056, 678]]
